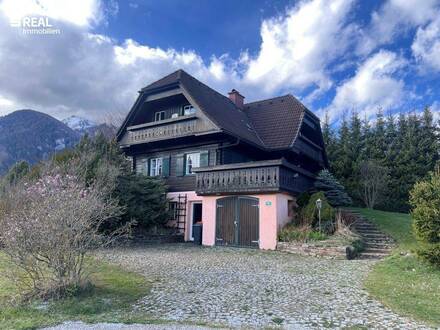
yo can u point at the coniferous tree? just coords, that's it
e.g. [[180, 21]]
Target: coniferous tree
[[428, 145], [342, 164], [330, 139], [408, 147], [334, 191], [355, 146], [378, 140]]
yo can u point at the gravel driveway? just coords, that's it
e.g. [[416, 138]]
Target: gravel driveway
[[251, 288]]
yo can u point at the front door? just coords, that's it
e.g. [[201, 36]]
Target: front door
[[196, 216], [237, 221]]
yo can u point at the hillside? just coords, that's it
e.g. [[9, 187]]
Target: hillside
[[32, 136]]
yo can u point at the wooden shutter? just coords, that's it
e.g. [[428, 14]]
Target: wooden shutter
[[180, 165], [146, 166], [166, 166], [204, 158]]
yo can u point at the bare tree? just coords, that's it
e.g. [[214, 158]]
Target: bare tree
[[50, 225], [374, 178]]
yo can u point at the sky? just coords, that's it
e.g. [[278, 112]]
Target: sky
[[336, 56]]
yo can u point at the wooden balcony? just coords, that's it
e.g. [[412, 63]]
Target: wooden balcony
[[253, 177], [166, 129]]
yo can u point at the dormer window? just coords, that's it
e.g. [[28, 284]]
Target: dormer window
[[160, 115], [188, 110]]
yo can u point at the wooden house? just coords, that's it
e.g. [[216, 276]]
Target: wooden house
[[237, 167]]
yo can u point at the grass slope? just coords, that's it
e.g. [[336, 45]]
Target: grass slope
[[402, 281], [111, 299]]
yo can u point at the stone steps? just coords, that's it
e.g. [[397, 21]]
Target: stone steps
[[377, 245]]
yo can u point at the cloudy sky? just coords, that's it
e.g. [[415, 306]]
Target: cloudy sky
[[335, 56]]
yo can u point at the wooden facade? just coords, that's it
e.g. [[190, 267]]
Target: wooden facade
[[252, 177], [237, 153]]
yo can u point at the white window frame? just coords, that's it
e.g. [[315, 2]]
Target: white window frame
[[191, 160], [155, 167], [189, 110], [159, 114]]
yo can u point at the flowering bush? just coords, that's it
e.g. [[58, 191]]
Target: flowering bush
[[50, 225]]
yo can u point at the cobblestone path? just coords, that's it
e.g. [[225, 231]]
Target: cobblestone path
[[253, 289]]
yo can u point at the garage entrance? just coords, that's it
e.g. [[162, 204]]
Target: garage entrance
[[237, 221]]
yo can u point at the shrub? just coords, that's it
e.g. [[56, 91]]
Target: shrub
[[292, 233], [303, 199], [50, 225], [425, 203], [144, 200], [431, 253], [333, 190], [309, 214]]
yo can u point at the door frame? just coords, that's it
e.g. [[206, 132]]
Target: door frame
[[190, 220]]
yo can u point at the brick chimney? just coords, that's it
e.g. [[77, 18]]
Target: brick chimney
[[237, 98]]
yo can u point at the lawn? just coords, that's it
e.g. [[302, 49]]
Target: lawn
[[111, 298], [402, 281]]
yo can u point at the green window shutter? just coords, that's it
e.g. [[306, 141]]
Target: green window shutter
[[146, 165], [204, 158], [166, 166], [180, 165]]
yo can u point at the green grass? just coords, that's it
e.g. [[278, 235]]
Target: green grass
[[110, 300], [402, 281]]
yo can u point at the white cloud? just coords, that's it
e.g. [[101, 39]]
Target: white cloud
[[78, 72], [373, 85], [78, 12], [426, 45], [393, 18], [296, 50]]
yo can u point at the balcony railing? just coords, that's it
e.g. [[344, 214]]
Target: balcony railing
[[166, 129], [252, 177]]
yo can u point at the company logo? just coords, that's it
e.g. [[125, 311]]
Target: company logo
[[35, 25]]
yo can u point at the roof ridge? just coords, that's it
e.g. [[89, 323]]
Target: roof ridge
[[269, 99], [211, 89], [178, 73]]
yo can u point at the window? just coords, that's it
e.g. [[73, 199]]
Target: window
[[188, 110], [160, 115], [290, 208], [172, 206], [155, 166], [192, 160]]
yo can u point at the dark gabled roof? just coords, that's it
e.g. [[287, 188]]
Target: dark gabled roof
[[277, 120], [219, 108], [269, 124], [165, 81]]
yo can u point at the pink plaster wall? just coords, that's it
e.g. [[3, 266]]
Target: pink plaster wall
[[209, 210], [191, 197], [282, 210]]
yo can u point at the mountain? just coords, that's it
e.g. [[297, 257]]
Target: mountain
[[86, 126], [79, 124], [32, 136]]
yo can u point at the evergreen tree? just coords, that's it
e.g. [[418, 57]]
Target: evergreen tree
[[144, 200], [330, 140], [428, 144], [333, 190], [378, 139], [355, 146], [342, 164], [408, 147]]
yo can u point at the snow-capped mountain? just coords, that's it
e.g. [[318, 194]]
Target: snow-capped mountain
[[79, 124]]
